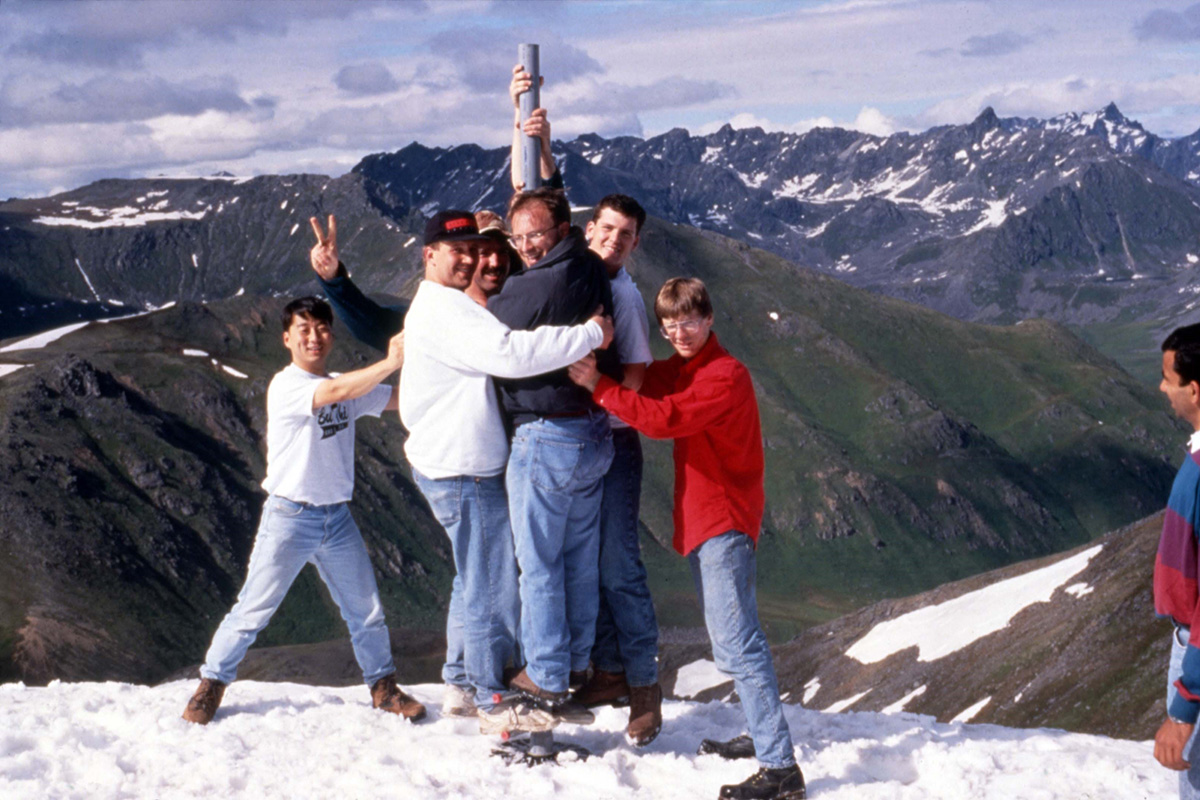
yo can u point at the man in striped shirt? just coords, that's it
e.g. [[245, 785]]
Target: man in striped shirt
[[1177, 565]]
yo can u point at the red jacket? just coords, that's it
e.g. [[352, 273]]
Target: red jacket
[[707, 405]]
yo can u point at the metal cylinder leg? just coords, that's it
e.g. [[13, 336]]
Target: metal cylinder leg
[[541, 744], [531, 146]]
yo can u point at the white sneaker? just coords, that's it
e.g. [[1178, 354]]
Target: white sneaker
[[516, 715], [458, 702]]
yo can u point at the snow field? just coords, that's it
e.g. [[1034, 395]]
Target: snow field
[[939, 630], [42, 339], [273, 740]]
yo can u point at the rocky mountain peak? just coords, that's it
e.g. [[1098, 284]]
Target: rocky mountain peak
[[1113, 114], [986, 121]]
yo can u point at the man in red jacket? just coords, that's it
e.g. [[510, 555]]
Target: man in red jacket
[[703, 398]]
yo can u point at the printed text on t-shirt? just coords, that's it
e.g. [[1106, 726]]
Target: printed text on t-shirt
[[333, 418]]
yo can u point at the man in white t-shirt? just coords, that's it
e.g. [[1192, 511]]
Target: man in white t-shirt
[[306, 518], [458, 447]]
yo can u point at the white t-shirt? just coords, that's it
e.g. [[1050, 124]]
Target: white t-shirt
[[631, 328], [452, 348], [310, 453]]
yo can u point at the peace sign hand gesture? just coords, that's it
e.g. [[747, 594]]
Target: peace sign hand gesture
[[324, 255]]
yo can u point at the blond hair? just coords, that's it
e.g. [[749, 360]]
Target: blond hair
[[681, 297]]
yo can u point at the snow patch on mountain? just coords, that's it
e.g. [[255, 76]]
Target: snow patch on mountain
[[898, 706], [694, 678], [970, 712], [87, 280], [123, 217], [9, 369], [842, 705], [42, 339], [993, 216], [939, 630]]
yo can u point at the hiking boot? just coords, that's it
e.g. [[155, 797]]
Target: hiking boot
[[515, 714], [386, 696], [205, 702], [785, 783], [509, 673], [604, 689], [737, 747], [645, 714], [521, 682], [458, 701], [576, 679]]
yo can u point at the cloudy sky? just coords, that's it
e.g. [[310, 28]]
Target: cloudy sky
[[126, 88]]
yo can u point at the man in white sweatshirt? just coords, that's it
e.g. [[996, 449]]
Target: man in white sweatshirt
[[458, 445]]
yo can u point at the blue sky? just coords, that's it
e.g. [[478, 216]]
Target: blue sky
[[124, 88]]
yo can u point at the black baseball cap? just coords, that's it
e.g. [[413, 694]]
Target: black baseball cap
[[451, 226]]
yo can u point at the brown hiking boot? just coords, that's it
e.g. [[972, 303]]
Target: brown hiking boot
[[205, 702], [576, 679], [521, 682], [604, 689], [645, 714], [386, 696]]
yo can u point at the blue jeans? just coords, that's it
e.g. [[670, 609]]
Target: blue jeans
[[626, 628], [1189, 780], [289, 536], [723, 569], [481, 624], [555, 483]]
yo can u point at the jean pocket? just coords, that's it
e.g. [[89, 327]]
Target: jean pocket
[[444, 498], [284, 507], [555, 464], [597, 461]]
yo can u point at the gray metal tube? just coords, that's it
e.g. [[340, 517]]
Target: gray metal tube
[[531, 147]]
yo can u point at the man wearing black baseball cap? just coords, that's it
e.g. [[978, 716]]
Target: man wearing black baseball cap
[[374, 324]]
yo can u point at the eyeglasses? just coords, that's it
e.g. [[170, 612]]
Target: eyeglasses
[[685, 326], [532, 238]]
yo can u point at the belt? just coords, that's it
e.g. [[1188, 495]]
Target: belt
[[525, 417]]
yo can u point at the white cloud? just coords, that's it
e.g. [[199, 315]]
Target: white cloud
[[1055, 96], [859, 64], [869, 120]]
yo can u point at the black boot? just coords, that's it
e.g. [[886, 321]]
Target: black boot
[[785, 783], [737, 747]]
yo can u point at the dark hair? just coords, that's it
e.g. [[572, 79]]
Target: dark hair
[[679, 297], [553, 200], [313, 308], [1185, 342], [624, 205]]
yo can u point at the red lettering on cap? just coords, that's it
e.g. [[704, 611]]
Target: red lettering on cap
[[461, 222]]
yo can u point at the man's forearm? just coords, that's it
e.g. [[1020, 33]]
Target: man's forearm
[[352, 385]]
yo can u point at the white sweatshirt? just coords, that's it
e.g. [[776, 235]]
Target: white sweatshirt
[[452, 347]]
